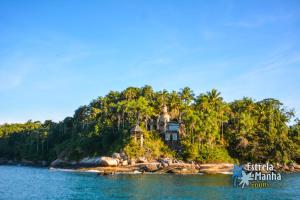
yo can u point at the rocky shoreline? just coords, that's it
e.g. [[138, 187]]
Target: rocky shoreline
[[118, 163], [156, 168]]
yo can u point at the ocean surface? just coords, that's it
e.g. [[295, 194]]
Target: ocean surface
[[17, 182]]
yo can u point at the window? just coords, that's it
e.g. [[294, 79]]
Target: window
[[167, 136], [174, 136]]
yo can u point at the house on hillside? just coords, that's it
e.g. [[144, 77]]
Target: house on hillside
[[169, 130], [172, 132]]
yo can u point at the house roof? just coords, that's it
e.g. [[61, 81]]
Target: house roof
[[136, 128]]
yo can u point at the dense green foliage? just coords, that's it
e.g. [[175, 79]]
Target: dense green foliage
[[213, 131]]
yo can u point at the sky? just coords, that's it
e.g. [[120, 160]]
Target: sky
[[58, 55]]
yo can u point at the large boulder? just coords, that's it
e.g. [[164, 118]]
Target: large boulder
[[124, 162], [216, 168], [131, 161], [168, 161], [123, 156], [62, 163], [108, 161], [183, 171], [296, 166], [151, 167], [116, 156], [56, 162], [90, 161], [164, 164], [286, 168], [44, 163], [177, 161], [142, 160]]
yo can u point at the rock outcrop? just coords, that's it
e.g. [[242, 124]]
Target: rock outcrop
[[142, 160], [222, 168], [150, 167], [116, 156], [90, 161], [108, 161], [63, 163]]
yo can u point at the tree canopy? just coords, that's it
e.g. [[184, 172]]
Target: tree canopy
[[213, 130]]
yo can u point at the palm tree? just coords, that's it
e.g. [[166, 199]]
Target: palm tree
[[162, 98], [131, 93], [174, 105], [187, 95], [147, 92], [214, 97]]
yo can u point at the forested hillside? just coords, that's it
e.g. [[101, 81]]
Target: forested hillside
[[214, 130]]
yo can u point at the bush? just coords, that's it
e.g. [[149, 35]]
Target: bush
[[215, 154], [205, 153], [153, 147]]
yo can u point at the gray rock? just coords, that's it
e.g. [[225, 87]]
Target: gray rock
[[108, 161], [142, 160], [286, 168], [166, 160], [10, 162], [164, 164], [116, 156], [63, 163], [58, 163], [44, 163], [131, 162], [123, 156], [90, 161], [27, 162], [124, 162], [296, 166], [150, 167]]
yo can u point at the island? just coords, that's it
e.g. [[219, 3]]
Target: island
[[140, 130]]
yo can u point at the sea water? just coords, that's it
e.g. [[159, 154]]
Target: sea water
[[18, 182]]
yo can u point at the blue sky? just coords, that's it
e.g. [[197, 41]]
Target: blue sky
[[57, 55]]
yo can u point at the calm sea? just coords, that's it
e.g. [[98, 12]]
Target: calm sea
[[18, 182]]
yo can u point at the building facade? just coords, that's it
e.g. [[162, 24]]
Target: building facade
[[169, 130]]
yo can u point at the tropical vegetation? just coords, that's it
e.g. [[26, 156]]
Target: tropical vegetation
[[213, 130]]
